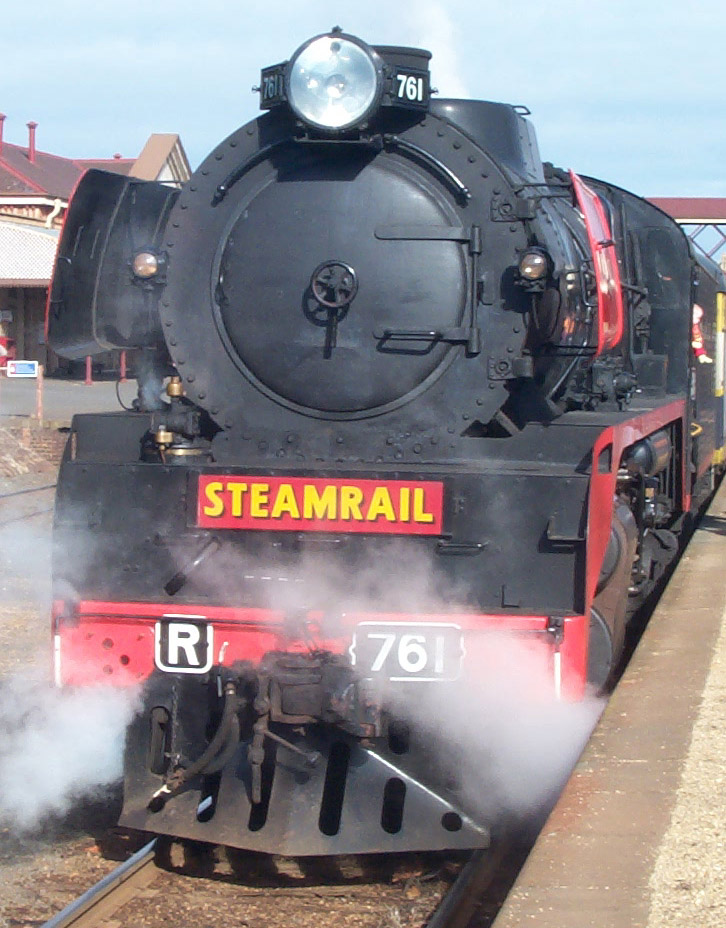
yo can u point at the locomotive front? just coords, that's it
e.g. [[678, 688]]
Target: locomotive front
[[363, 311]]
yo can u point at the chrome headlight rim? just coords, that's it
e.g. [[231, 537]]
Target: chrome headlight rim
[[373, 103]]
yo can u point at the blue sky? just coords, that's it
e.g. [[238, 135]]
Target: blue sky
[[634, 92]]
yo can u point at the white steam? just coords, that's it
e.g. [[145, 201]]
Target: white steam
[[387, 575], [510, 741], [500, 729], [57, 746], [25, 552], [435, 29]]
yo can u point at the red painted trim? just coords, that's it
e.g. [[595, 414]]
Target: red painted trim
[[254, 617], [610, 313], [113, 642], [573, 652]]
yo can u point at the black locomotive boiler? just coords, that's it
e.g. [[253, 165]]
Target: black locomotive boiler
[[403, 388]]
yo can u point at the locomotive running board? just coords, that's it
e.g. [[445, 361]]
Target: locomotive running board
[[370, 805]]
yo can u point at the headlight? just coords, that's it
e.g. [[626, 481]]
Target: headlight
[[334, 82], [534, 264], [145, 264]]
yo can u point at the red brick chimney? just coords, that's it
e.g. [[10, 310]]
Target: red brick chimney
[[32, 126], [2, 120]]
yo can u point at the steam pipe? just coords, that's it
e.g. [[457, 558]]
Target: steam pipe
[[651, 455], [173, 586]]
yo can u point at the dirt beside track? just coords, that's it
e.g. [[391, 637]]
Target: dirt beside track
[[402, 894], [41, 873]]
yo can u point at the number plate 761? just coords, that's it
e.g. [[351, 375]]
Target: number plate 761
[[403, 651]]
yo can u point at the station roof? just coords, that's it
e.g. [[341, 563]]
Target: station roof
[[47, 174], [693, 210], [26, 173]]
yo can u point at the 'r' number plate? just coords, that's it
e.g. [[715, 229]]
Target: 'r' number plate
[[184, 644]]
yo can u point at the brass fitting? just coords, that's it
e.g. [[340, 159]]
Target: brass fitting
[[174, 387], [163, 437], [188, 451]]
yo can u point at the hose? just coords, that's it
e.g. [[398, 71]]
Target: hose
[[221, 736], [213, 758], [228, 751]]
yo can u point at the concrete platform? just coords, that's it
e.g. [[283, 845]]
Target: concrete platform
[[61, 398], [638, 837]]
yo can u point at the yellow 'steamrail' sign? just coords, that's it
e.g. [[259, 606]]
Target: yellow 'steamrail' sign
[[399, 507]]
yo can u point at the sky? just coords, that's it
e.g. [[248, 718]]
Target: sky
[[632, 92]]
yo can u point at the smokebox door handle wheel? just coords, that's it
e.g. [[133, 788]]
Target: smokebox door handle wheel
[[334, 284]]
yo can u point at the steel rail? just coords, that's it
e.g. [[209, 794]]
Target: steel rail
[[457, 907], [47, 486], [27, 515], [87, 905]]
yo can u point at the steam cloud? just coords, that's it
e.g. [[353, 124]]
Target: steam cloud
[[435, 29], [57, 746], [510, 742]]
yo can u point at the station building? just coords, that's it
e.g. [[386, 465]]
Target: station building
[[35, 187]]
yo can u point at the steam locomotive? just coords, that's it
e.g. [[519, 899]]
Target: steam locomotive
[[404, 389]]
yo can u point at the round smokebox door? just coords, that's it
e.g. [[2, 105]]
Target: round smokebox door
[[313, 288]]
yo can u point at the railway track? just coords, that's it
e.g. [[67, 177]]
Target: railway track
[[132, 881], [13, 505], [111, 892]]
